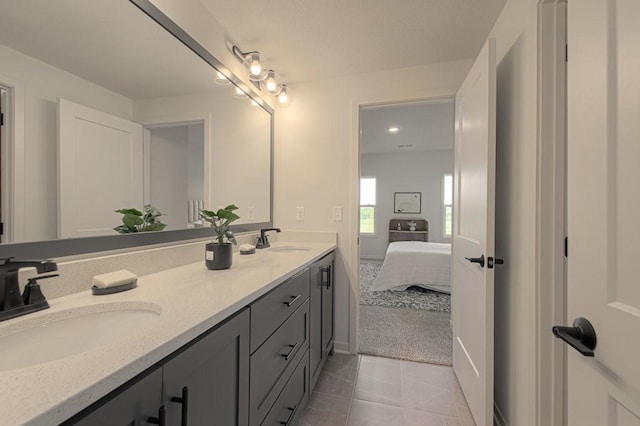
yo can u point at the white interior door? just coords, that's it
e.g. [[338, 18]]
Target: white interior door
[[473, 234], [100, 169], [604, 209]]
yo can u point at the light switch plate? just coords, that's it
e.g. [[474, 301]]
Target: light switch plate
[[300, 214], [251, 213], [337, 213]]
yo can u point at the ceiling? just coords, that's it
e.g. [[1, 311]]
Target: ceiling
[[422, 126], [110, 43], [310, 39]]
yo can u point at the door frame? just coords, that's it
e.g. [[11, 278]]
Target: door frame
[[550, 262], [13, 158], [354, 278]]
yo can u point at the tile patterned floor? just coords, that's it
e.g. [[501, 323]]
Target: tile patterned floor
[[362, 390]]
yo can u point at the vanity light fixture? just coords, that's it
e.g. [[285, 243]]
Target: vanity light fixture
[[254, 63], [266, 79], [393, 130]]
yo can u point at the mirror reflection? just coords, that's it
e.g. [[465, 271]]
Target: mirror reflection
[[105, 110]]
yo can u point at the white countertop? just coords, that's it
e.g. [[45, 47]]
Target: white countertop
[[192, 298]]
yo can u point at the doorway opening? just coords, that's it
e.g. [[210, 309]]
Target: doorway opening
[[406, 208], [174, 172]]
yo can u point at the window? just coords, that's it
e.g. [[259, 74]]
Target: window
[[367, 205], [447, 206]]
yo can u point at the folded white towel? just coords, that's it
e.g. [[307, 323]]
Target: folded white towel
[[113, 279]]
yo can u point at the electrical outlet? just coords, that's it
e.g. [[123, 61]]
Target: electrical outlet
[[300, 214], [251, 213], [337, 213]]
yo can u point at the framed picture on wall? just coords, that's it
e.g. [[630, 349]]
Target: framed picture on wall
[[407, 202]]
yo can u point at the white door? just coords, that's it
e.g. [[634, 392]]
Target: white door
[[604, 209], [99, 170], [474, 216]]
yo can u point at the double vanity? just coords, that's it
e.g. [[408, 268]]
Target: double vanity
[[187, 346]]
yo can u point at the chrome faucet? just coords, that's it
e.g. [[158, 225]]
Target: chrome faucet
[[263, 240], [12, 303]]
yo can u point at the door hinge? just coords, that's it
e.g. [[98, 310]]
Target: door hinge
[[1, 119], [1, 228], [566, 53], [566, 246]]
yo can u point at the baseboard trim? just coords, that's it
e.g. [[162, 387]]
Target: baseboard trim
[[341, 347], [498, 418]]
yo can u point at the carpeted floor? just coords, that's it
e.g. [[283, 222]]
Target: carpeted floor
[[413, 297], [411, 325]]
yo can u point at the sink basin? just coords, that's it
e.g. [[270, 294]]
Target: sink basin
[[61, 334], [288, 249]]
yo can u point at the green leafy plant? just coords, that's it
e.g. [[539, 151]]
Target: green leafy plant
[[220, 221], [135, 221]]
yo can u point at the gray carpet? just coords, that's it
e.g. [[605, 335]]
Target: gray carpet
[[396, 325], [413, 297]]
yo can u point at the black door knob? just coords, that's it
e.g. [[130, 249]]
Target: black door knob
[[581, 337], [479, 260]]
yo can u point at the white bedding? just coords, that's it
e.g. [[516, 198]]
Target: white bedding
[[417, 263]]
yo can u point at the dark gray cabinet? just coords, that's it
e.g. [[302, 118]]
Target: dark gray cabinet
[[208, 382], [204, 383], [256, 368], [133, 405], [321, 306]]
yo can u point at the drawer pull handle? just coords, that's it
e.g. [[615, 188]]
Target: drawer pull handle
[[287, 356], [294, 299], [184, 400], [160, 420], [293, 410]]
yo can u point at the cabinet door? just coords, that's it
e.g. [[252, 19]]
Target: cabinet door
[[321, 315], [327, 308], [131, 406], [315, 322], [208, 383]]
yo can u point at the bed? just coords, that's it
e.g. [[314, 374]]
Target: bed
[[409, 263]]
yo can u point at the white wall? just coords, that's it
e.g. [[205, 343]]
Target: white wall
[[43, 85], [316, 160], [236, 172], [405, 172], [515, 319]]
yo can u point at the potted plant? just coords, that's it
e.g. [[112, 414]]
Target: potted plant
[[218, 254], [134, 220]]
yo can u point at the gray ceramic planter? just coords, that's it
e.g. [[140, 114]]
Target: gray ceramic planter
[[218, 256]]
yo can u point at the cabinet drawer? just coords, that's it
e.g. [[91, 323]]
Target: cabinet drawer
[[292, 399], [275, 307], [273, 362]]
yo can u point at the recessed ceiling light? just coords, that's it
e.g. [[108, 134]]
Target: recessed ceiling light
[[393, 129]]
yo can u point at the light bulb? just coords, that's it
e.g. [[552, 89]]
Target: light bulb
[[271, 83], [283, 98], [255, 65], [256, 68]]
